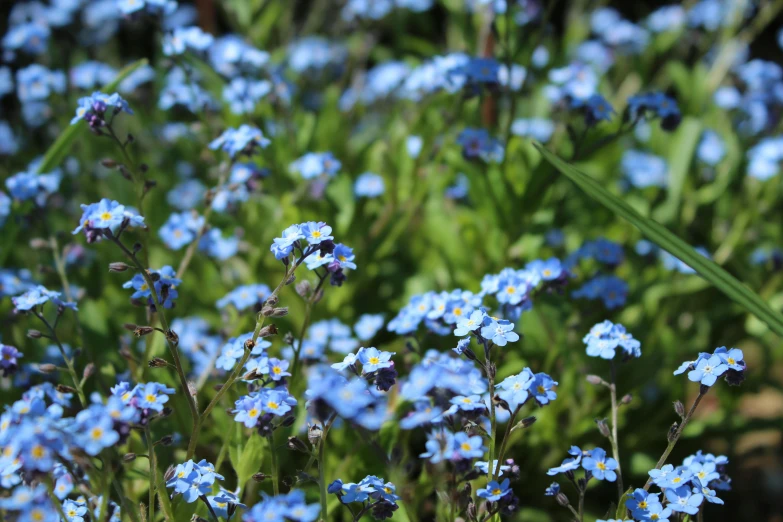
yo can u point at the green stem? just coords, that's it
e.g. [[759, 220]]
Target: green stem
[[504, 442], [183, 380], [322, 474], [702, 391], [68, 361], [260, 319], [614, 440], [153, 471], [275, 470]]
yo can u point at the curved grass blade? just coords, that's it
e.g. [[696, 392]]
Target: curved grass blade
[[59, 149], [659, 235]]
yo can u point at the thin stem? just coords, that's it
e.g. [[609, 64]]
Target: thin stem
[[493, 425], [209, 507], [575, 512], [153, 471], [614, 440], [504, 443], [183, 380], [68, 361], [322, 476], [260, 319], [673, 441], [582, 503], [275, 472]]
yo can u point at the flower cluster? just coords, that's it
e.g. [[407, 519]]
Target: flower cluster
[[291, 506], [105, 217], [165, 283], [193, 480], [605, 338], [372, 493], [38, 296], [377, 366], [242, 140], [595, 462], [93, 109], [707, 368], [321, 250]]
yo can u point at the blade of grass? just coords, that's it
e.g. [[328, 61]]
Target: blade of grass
[[62, 145], [659, 235]]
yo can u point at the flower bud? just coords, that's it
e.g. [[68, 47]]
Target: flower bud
[[524, 423], [157, 362], [679, 408], [258, 477], [129, 457], [192, 388], [288, 421], [141, 331], [288, 338], [34, 334], [471, 511], [39, 243], [268, 331], [108, 163], [280, 312], [314, 434], [47, 368], [165, 412], [169, 473], [165, 441], [89, 370], [627, 398], [594, 379], [118, 266], [65, 389], [562, 499], [303, 288], [272, 300], [603, 427], [295, 444]]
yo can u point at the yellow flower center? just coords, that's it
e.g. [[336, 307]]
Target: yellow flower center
[[601, 466], [96, 433], [106, 216], [465, 446], [276, 370], [374, 360], [497, 491], [37, 452], [272, 405], [151, 398], [253, 413]]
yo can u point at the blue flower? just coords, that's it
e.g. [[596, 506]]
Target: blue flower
[[600, 465], [373, 359], [181, 229], [499, 332], [733, 357], [494, 491], [477, 143], [248, 410], [344, 256], [469, 447], [515, 389], [708, 370], [316, 164], [153, 396], [468, 403], [314, 233], [683, 500], [368, 325], [466, 325], [242, 140], [552, 490], [369, 185], [641, 503]]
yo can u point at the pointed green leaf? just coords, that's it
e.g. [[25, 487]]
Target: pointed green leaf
[[59, 149], [659, 235], [622, 511]]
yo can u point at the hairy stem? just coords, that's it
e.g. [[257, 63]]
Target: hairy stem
[[153, 471], [68, 361], [674, 438], [614, 440]]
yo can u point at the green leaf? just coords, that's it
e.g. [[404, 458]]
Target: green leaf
[[163, 497], [622, 511], [250, 461], [684, 143], [659, 235], [62, 145]]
